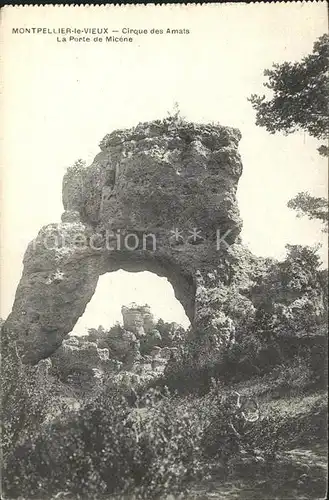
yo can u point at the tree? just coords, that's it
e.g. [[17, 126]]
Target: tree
[[299, 102], [175, 115], [300, 95], [311, 207]]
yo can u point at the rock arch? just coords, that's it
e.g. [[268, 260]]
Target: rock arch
[[159, 197]]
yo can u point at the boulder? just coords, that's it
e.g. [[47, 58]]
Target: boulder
[[79, 357]]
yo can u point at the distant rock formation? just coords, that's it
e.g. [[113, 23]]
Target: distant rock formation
[[138, 319]]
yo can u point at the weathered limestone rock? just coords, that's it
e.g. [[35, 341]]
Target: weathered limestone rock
[[80, 356], [138, 319], [158, 197]]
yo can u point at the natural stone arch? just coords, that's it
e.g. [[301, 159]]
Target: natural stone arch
[[145, 183]]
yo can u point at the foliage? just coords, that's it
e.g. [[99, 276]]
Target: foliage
[[311, 207], [77, 167], [291, 314], [297, 421], [227, 433], [96, 333], [175, 115], [292, 290], [300, 101], [109, 447], [156, 447], [28, 399], [172, 334], [300, 95], [323, 150]]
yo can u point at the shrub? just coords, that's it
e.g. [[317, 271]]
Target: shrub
[[109, 447], [28, 396], [227, 434], [77, 167]]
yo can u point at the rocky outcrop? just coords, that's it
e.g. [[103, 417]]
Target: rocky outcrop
[[81, 356], [138, 319], [158, 197]]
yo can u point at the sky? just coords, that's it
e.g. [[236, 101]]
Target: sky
[[60, 99]]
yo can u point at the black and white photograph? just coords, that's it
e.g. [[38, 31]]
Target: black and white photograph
[[163, 257]]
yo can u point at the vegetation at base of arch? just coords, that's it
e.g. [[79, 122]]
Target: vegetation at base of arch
[[162, 445], [110, 447]]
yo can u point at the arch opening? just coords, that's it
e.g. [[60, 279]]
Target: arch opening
[[122, 288]]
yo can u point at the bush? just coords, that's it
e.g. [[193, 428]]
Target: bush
[[29, 395], [77, 167], [108, 448], [231, 420]]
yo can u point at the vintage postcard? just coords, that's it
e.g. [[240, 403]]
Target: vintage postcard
[[163, 261]]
